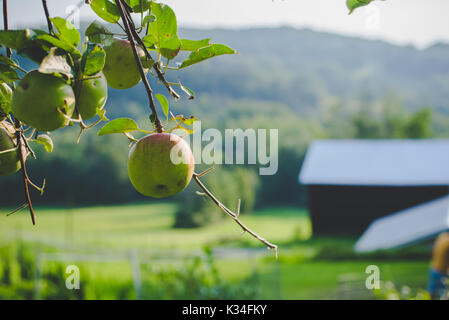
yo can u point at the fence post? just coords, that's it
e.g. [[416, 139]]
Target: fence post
[[135, 271], [37, 276]]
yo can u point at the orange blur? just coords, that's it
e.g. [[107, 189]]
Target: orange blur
[[440, 255]]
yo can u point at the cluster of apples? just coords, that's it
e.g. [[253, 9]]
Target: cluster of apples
[[47, 102]]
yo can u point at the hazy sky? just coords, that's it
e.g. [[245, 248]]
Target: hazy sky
[[418, 22]]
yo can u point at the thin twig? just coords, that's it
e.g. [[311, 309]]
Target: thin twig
[[155, 66], [234, 216], [22, 155], [129, 33], [23, 206], [19, 131], [47, 16]]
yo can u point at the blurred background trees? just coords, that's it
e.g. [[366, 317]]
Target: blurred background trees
[[306, 84]]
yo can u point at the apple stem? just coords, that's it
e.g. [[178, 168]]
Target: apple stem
[[233, 215], [126, 22]]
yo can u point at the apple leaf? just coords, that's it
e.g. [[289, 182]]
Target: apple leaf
[[46, 141], [170, 48], [5, 100], [194, 45], [139, 5], [120, 125], [106, 10], [205, 53], [8, 73], [190, 121], [162, 33], [147, 63], [354, 4], [164, 103], [188, 91], [61, 44], [99, 34], [93, 59], [148, 19], [54, 63], [66, 31], [24, 42], [8, 61]]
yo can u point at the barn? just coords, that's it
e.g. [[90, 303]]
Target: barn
[[350, 183]]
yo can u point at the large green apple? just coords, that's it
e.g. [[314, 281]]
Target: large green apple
[[5, 100], [9, 161], [93, 95], [160, 165], [120, 68], [37, 98]]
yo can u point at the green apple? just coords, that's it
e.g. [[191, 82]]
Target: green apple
[[5, 100], [120, 68], [93, 96], [9, 161], [160, 165], [37, 98]]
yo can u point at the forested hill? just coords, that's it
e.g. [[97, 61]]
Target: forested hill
[[302, 69], [306, 84]]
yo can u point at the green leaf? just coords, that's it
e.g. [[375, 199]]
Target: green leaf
[[164, 103], [7, 70], [206, 53], [188, 91], [120, 125], [194, 45], [147, 63], [24, 42], [66, 31], [93, 59], [8, 73], [189, 121], [106, 10], [61, 44], [5, 99], [354, 4], [8, 61], [99, 34], [148, 19], [139, 5], [46, 141], [162, 32], [54, 63], [170, 48]]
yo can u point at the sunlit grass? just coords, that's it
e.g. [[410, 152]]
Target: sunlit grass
[[148, 226]]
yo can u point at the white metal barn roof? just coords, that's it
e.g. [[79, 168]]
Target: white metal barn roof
[[420, 162], [407, 226]]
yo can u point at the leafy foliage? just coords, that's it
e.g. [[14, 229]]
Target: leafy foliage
[[99, 34], [354, 4], [120, 125], [93, 60]]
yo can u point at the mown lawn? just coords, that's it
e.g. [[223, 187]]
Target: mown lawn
[[302, 272], [147, 226]]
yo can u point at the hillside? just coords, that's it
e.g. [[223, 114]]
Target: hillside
[[306, 84], [303, 69]]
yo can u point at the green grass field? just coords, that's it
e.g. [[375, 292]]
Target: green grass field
[[147, 228]]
